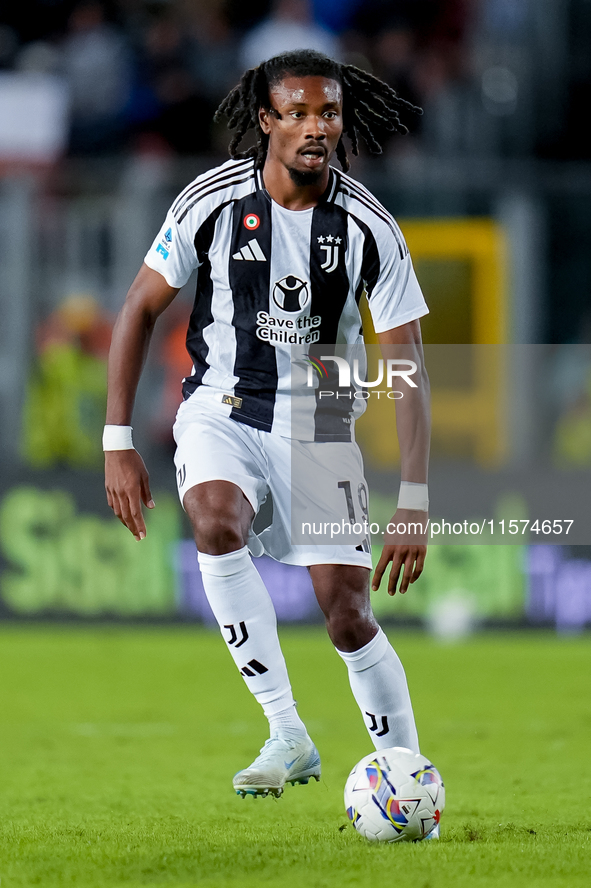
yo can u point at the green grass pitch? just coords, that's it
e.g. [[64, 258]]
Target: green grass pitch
[[117, 749]]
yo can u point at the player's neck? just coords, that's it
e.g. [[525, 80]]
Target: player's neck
[[286, 192]]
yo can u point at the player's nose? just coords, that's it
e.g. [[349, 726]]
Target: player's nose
[[315, 138], [316, 129]]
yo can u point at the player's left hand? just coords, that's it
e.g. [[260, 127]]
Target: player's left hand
[[405, 545]]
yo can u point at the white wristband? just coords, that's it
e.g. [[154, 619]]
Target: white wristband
[[117, 437], [413, 496]]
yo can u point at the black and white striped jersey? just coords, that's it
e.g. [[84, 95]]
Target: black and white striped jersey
[[272, 282]]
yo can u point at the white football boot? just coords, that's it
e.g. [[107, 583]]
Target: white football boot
[[434, 834], [280, 762]]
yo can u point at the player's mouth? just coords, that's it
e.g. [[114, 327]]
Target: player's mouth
[[313, 155]]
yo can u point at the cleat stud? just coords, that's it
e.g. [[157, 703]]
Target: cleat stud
[[317, 778]]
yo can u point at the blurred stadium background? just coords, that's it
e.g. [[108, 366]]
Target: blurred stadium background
[[106, 113]]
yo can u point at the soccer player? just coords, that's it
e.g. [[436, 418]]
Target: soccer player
[[280, 239]]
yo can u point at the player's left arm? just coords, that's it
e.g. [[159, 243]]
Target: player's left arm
[[407, 551]]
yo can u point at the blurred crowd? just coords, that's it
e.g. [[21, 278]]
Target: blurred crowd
[[150, 73]]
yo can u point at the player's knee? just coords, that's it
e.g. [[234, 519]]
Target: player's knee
[[351, 628], [217, 534]]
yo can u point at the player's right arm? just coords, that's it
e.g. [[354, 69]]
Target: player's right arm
[[126, 477]]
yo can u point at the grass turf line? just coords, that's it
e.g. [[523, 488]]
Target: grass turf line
[[117, 748]]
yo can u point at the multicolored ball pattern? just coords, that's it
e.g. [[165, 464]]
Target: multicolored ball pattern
[[394, 795]]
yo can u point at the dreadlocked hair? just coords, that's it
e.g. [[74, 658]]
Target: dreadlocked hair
[[369, 104]]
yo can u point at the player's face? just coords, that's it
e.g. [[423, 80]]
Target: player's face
[[304, 125]]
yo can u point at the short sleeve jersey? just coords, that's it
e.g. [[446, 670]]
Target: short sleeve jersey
[[272, 283]]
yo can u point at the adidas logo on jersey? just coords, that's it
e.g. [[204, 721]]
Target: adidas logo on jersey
[[251, 252]]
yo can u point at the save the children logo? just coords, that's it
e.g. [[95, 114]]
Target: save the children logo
[[291, 293], [289, 331]]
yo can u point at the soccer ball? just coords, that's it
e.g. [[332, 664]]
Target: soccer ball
[[394, 795]]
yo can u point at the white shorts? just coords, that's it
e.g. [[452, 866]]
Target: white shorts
[[313, 486]]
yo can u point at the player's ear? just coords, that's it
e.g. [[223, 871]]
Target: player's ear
[[264, 115]]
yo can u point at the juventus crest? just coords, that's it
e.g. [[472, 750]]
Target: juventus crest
[[332, 247]]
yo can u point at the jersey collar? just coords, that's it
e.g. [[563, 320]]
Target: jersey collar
[[327, 196]]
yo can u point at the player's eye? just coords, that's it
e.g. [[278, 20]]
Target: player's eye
[[330, 114], [297, 114]]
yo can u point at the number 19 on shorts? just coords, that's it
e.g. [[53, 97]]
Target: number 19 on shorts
[[361, 523]]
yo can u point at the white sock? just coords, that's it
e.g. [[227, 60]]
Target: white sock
[[246, 617], [379, 686], [287, 724]]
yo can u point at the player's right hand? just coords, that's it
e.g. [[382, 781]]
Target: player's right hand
[[127, 485]]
